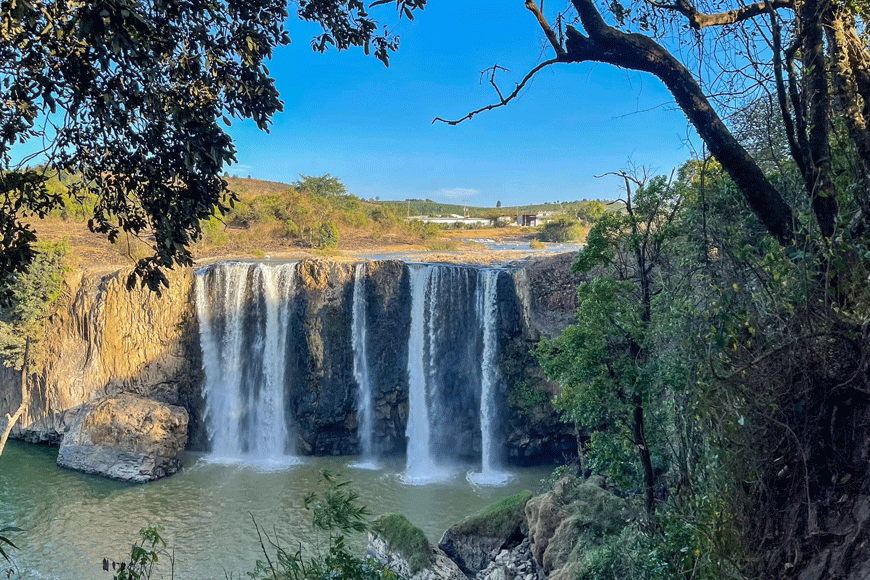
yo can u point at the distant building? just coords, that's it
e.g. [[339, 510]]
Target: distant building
[[529, 220]]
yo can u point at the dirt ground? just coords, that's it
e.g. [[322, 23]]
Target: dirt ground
[[94, 251]]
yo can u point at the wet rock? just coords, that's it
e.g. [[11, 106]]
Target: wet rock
[[126, 437], [478, 541], [516, 563], [403, 548]]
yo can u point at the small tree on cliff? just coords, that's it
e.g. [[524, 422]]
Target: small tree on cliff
[[604, 362]]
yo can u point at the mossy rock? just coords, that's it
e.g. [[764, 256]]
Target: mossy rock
[[572, 520], [500, 519], [406, 539], [475, 542]]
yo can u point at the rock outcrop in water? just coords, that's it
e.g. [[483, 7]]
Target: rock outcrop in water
[[125, 437], [105, 341]]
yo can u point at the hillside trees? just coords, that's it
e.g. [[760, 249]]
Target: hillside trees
[[129, 95]]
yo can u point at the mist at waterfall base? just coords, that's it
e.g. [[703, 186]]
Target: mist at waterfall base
[[452, 373]]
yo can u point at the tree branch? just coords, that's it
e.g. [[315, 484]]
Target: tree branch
[[503, 100], [638, 52], [545, 26], [699, 20]]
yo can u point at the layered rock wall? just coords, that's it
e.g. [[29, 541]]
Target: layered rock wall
[[105, 340]]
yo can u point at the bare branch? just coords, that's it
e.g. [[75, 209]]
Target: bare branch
[[545, 26], [503, 100], [492, 70]]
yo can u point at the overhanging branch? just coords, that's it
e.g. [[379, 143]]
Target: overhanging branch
[[699, 20], [503, 100]]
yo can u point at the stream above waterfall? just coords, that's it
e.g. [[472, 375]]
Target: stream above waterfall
[[71, 521]]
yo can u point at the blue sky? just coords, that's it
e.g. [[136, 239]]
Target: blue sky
[[348, 115]]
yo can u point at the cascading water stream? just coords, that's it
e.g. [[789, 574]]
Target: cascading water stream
[[243, 312], [420, 466], [487, 288], [452, 372], [365, 410]]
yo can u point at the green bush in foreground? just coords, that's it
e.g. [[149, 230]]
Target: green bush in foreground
[[335, 511], [405, 538]]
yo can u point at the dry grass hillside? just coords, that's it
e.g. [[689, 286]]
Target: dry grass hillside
[[274, 220]]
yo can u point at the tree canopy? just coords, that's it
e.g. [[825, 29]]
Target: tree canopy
[[133, 97]]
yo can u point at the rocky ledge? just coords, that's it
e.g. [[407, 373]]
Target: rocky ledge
[[518, 538], [125, 437]]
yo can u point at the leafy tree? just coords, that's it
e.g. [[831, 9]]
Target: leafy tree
[[324, 185], [604, 362], [130, 97], [498, 204]]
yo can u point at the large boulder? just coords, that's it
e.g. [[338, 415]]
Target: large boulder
[[404, 549], [474, 543], [571, 520], [125, 437]]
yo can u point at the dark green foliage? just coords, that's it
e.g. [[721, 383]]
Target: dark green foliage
[[406, 539], [138, 94]]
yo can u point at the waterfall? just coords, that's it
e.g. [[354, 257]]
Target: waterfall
[[452, 372], [420, 467], [243, 312], [487, 288], [365, 410]]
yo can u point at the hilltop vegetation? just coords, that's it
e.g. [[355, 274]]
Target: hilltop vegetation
[[315, 213]]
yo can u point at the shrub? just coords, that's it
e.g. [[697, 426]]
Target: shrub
[[328, 236], [560, 230], [405, 538]]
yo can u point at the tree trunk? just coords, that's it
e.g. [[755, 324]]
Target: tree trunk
[[821, 192], [643, 455], [25, 399]]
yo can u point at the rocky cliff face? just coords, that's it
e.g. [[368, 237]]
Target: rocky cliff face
[[105, 340]]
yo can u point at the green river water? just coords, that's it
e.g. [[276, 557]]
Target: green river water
[[71, 521]]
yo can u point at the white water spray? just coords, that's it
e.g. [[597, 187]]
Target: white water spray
[[420, 467], [365, 410], [487, 286], [243, 312]]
